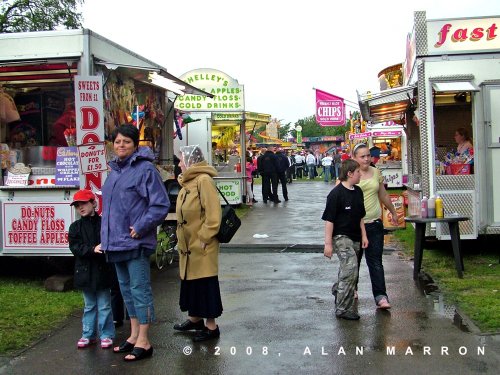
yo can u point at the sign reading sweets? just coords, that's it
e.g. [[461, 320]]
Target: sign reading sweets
[[330, 109], [89, 107], [36, 225]]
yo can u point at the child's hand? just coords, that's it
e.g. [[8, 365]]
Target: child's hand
[[97, 249], [328, 251]]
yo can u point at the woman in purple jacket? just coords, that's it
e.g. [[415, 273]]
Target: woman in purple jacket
[[135, 202]]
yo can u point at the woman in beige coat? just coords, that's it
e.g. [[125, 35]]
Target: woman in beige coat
[[198, 220]]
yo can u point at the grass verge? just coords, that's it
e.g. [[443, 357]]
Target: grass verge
[[28, 311], [478, 293]]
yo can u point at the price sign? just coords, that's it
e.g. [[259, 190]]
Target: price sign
[[92, 158]]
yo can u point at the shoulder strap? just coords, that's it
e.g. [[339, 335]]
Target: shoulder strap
[[223, 197]]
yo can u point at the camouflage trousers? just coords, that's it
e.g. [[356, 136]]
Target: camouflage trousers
[[343, 290]]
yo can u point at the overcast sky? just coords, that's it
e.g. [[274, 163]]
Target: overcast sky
[[279, 50]]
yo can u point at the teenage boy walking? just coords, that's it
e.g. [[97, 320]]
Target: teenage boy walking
[[344, 232]]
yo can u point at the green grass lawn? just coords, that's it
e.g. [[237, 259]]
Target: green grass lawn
[[28, 311], [478, 293]]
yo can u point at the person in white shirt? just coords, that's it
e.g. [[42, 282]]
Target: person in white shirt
[[299, 165], [326, 162], [311, 164]]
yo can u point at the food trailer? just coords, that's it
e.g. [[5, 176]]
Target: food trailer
[[62, 94], [221, 127], [452, 81], [390, 138]]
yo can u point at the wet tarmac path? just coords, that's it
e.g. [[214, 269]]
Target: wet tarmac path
[[278, 315]]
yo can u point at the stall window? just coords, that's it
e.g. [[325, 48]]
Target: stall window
[[453, 131]]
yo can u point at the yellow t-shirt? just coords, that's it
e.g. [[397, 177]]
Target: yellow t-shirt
[[370, 192]]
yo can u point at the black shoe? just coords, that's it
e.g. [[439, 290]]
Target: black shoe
[[277, 201], [286, 199], [348, 315], [125, 347], [188, 325], [207, 334], [265, 202], [254, 200], [138, 354]]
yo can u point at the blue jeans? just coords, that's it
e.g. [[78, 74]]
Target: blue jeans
[[326, 171], [310, 169], [134, 276], [337, 170], [373, 253], [97, 315]]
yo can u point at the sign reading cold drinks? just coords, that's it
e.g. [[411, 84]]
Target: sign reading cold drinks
[[36, 225]]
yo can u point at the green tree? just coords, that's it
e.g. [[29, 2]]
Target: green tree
[[310, 128], [39, 15]]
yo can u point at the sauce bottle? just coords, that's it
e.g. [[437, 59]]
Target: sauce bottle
[[439, 207], [431, 207], [423, 207]]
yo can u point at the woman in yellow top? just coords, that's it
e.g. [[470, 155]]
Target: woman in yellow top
[[374, 193], [198, 220]]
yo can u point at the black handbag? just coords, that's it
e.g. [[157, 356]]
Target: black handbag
[[230, 222]]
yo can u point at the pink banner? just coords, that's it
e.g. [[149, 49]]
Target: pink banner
[[360, 135], [387, 133], [330, 109]]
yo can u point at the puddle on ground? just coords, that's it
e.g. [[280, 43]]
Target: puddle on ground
[[431, 291]]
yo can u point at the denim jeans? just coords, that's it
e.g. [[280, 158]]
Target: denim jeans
[[373, 254], [134, 276], [310, 170], [326, 171], [337, 170], [97, 316]]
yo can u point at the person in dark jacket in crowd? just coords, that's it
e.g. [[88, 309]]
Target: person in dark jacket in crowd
[[135, 202], [92, 272], [283, 165], [267, 164]]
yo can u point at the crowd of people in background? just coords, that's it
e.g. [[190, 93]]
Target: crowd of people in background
[[277, 167]]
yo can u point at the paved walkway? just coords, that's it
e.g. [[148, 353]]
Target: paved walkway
[[278, 316]]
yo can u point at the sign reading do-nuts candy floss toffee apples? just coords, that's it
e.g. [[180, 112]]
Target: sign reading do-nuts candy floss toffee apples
[[36, 225], [228, 93]]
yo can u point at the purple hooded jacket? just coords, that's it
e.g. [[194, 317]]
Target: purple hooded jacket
[[133, 196]]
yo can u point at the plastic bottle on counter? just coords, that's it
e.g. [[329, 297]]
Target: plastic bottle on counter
[[423, 207], [439, 207], [431, 207]]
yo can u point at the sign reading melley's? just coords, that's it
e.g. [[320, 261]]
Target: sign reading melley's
[[228, 93]]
